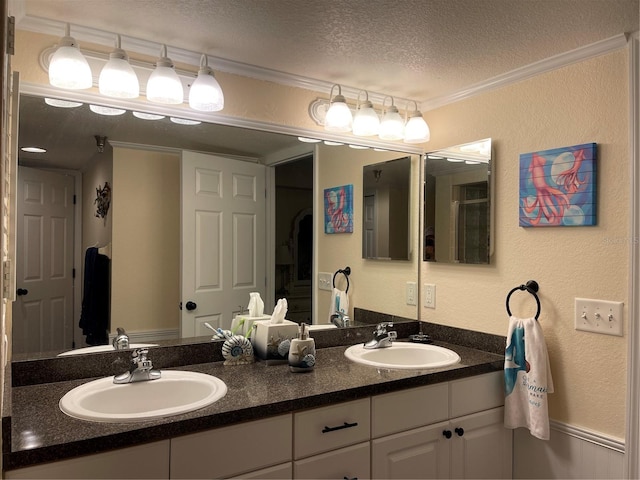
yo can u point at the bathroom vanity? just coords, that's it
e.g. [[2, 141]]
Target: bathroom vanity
[[341, 420]]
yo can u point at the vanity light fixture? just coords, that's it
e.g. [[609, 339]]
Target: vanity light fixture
[[339, 117], [416, 129], [164, 85], [109, 111], [392, 125], [308, 140], [366, 121], [184, 121], [68, 67], [147, 116], [117, 78], [205, 94], [332, 144], [56, 102], [358, 147]]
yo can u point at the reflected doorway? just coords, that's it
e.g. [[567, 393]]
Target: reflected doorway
[[294, 237]]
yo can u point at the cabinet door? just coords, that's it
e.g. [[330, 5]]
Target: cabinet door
[[418, 453], [143, 461], [348, 462], [279, 472], [481, 446]]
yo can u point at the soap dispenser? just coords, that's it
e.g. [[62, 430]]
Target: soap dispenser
[[302, 352]]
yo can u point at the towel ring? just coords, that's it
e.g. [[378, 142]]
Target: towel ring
[[346, 272], [532, 287]]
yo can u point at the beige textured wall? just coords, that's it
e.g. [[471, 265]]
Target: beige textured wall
[[145, 270], [586, 102], [377, 285]]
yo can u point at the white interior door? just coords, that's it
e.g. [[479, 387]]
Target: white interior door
[[43, 314], [223, 239]]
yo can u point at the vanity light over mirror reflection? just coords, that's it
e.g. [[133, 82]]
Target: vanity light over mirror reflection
[[458, 204], [69, 137]]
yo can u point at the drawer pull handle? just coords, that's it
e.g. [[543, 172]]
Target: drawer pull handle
[[333, 429], [459, 431], [352, 478], [446, 433]]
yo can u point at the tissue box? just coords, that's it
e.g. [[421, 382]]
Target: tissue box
[[246, 326], [267, 337]]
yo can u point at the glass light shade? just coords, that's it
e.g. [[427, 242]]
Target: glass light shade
[[392, 125], [339, 117], [184, 121], [68, 68], [147, 116], [109, 111], [366, 121], [205, 94], [164, 85], [416, 130], [56, 102], [117, 78]]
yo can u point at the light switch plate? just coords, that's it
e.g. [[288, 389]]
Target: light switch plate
[[325, 281], [599, 316]]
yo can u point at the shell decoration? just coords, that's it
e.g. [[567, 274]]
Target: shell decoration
[[283, 348], [237, 350]]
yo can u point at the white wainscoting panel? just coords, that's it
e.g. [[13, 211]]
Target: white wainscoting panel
[[569, 453]]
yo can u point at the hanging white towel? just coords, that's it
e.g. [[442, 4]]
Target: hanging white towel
[[339, 302], [527, 378]]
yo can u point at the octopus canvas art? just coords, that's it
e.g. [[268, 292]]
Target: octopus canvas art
[[558, 187], [338, 209]]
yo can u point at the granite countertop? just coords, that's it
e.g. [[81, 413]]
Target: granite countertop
[[37, 431]]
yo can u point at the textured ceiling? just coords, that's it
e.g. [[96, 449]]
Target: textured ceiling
[[418, 49]]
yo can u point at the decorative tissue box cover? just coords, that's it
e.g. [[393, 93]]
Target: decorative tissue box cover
[[245, 327], [266, 338]]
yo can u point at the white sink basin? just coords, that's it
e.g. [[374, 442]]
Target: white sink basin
[[174, 393], [405, 356], [103, 348]]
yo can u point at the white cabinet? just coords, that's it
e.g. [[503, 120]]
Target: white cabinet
[[233, 450], [473, 445], [150, 460], [333, 441]]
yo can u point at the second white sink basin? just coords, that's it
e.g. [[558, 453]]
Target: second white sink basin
[[175, 392], [405, 356]]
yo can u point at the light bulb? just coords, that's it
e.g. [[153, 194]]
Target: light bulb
[[416, 130], [117, 78], [164, 85], [392, 125], [366, 121], [339, 117], [68, 67], [205, 94]]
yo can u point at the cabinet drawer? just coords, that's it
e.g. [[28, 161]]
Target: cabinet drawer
[[348, 462], [475, 394], [327, 428], [232, 450], [279, 472], [398, 411]]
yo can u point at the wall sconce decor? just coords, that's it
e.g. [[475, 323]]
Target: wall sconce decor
[[103, 200]]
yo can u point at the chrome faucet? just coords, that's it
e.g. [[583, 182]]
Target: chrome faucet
[[141, 369], [121, 340], [341, 319], [382, 338]]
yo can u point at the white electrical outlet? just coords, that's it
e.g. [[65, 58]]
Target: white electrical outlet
[[429, 295], [325, 281], [599, 316], [411, 293]]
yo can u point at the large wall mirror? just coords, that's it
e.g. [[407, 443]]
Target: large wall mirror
[[386, 207], [458, 204], [83, 157]]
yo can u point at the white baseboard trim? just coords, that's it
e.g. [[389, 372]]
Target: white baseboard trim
[[590, 436]]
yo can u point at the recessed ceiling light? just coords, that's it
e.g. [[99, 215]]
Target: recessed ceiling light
[[101, 110], [56, 102], [33, 149], [147, 116], [184, 121], [308, 140]]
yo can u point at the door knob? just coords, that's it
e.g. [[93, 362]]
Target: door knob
[[22, 291], [191, 306]]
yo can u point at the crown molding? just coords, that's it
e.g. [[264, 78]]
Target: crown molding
[[546, 65]]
